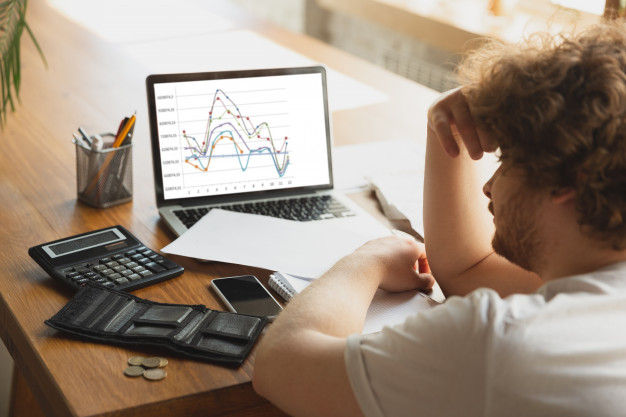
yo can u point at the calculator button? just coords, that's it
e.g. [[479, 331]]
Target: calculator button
[[119, 268], [154, 267], [114, 276], [167, 263], [144, 261], [72, 274], [124, 260], [107, 271], [77, 278], [138, 268], [141, 248], [81, 281], [131, 252], [99, 268], [131, 264], [91, 275], [116, 257], [70, 269], [137, 256], [134, 277], [105, 260], [82, 269], [120, 280], [145, 273], [112, 264], [126, 272], [107, 284]]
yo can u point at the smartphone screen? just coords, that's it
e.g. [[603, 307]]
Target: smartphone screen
[[246, 295]]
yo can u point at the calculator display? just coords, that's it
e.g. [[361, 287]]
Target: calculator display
[[84, 242]]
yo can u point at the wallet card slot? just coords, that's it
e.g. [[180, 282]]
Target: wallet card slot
[[168, 315], [123, 314], [160, 320], [92, 312], [187, 333], [226, 346], [232, 325], [138, 329]]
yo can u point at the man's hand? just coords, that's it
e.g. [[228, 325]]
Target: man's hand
[[403, 263], [450, 119]]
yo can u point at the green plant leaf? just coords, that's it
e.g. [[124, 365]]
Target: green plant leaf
[[12, 25]]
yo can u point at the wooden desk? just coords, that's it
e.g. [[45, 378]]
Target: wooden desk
[[90, 83]]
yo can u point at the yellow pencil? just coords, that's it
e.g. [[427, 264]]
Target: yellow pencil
[[120, 138]]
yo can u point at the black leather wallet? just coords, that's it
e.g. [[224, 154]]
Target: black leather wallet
[[111, 316]]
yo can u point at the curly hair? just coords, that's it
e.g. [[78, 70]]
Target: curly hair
[[556, 106]]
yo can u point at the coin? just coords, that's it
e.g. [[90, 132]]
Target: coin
[[135, 360], [163, 362], [154, 374], [151, 362], [134, 371]]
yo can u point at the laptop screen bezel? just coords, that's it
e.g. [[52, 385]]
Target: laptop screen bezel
[[153, 79]]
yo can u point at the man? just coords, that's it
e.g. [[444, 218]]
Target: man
[[536, 285]]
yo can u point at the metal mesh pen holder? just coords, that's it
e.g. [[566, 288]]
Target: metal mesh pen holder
[[104, 178]]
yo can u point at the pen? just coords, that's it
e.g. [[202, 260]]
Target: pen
[[80, 143], [127, 127], [85, 135]]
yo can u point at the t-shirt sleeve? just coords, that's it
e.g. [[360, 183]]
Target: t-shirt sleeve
[[433, 364]]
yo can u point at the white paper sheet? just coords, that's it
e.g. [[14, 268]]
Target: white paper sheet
[[124, 21], [244, 49], [386, 309], [354, 164], [401, 196], [301, 248], [394, 169]]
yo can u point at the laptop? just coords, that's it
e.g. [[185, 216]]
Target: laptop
[[256, 141]]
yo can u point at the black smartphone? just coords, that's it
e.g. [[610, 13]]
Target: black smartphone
[[246, 295]]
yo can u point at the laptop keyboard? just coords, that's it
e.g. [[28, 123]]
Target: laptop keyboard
[[309, 208]]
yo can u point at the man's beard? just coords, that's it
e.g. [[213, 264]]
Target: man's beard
[[516, 238]]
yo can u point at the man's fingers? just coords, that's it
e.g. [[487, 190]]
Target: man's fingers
[[422, 265], [439, 125], [486, 141], [425, 281], [450, 120], [466, 128]]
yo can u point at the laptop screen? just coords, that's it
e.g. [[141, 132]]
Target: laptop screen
[[238, 132]]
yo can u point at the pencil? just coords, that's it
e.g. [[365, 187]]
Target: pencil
[[120, 138]]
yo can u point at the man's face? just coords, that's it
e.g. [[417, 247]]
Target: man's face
[[514, 207]]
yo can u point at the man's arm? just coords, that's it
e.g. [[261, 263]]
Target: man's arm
[[458, 228], [300, 363]]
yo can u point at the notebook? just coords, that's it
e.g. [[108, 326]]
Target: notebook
[[386, 309], [244, 141]]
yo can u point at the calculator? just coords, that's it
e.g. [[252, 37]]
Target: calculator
[[111, 257]]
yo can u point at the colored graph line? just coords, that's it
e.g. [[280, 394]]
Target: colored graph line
[[231, 126]]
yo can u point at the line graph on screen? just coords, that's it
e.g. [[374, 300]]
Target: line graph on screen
[[232, 140]]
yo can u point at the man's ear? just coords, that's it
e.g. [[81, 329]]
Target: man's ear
[[563, 195]]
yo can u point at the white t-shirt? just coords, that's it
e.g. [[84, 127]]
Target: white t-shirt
[[558, 352]]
